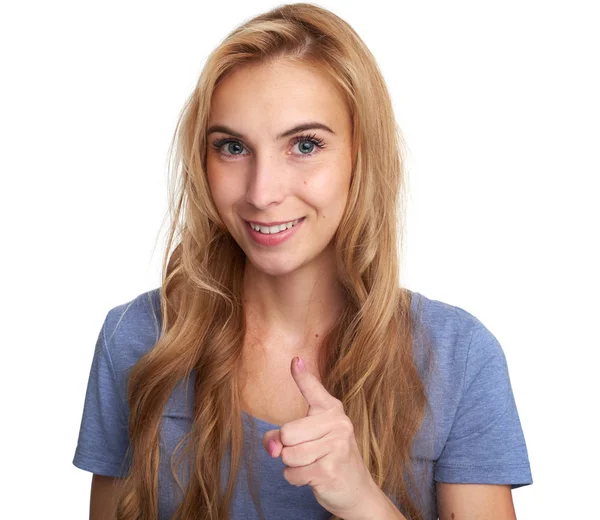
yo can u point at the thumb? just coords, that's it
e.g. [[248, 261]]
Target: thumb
[[271, 442]]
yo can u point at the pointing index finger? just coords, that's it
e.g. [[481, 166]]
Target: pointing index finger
[[315, 394]]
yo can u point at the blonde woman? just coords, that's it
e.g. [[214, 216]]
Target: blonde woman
[[279, 371]]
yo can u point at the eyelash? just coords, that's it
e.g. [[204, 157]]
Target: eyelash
[[317, 141]]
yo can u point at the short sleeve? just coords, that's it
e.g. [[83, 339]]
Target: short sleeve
[[486, 444], [103, 442]]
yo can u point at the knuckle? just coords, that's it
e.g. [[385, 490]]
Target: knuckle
[[328, 469], [285, 435], [341, 446], [349, 426], [285, 456], [345, 425]]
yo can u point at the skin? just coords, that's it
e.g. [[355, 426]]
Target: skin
[[291, 296], [265, 179], [474, 501], [103, 497]]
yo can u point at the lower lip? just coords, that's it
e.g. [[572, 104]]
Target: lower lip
[[273, 240]]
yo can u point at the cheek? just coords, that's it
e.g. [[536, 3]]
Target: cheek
[[224, 186], [327, 190]]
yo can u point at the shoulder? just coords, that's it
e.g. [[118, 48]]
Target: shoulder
[[131, 329], [454, 335], [461, 362], [443, 319]]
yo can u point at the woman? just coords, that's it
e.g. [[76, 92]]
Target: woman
[[280, 312]]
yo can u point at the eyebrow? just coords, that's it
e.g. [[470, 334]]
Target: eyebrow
[[313, 125]]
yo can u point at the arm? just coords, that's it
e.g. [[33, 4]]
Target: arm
[[485, 455], [471, 501], [379, 507], [103, 497], [103, 439], [456, 502]]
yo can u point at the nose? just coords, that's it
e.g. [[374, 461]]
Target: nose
[[266, 182]]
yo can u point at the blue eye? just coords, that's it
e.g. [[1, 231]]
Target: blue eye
[[303, 144], [238, 147], [307, 144]]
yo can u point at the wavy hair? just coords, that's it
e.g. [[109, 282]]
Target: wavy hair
[[366, 359]]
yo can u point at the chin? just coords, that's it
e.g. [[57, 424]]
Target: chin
[[281, 268]]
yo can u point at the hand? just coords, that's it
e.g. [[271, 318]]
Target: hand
[[321, 450]]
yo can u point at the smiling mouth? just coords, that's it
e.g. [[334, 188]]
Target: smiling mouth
[[275, 228]]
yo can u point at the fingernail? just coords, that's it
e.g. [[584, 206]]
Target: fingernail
[[300, 364], [271, 447]]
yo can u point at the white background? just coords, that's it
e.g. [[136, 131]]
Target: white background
[[499, 105]]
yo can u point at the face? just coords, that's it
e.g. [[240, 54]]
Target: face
[[267, 175]]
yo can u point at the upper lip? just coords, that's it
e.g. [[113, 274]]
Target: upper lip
[[256, 223]]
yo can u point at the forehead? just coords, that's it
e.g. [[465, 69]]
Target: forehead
[[275, 96]]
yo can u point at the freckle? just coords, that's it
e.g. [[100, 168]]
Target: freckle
[[304, 182], [452, 515]]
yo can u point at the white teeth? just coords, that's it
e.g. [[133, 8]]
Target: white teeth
[[271, 230]]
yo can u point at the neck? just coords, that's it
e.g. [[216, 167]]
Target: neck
[[296, 308]]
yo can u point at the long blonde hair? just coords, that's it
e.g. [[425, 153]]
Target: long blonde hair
[[366, 359]]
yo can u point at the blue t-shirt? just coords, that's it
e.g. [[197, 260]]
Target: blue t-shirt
[[471, 432]]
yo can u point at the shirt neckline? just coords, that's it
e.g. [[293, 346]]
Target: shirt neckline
[[261, 425]]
